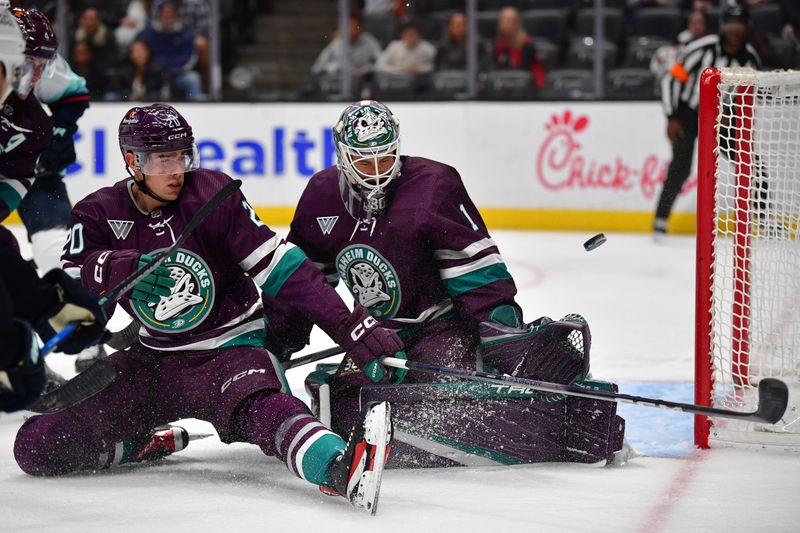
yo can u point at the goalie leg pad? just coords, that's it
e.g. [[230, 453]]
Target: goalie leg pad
[[480, 424]]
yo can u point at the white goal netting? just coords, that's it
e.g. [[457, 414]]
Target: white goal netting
[[755, 304]]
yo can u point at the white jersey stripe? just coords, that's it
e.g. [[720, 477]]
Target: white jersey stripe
[[207, 344], [260, 253], [301, 453], [454, 272], [471, 250]]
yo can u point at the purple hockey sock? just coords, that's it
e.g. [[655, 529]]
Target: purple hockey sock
[[283, 427]]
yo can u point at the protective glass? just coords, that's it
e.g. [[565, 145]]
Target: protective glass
[[30, 72], [168, 163]]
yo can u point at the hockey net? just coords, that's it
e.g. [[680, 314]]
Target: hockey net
[[748, 252]]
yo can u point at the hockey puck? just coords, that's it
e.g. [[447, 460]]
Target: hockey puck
[[594, 242]]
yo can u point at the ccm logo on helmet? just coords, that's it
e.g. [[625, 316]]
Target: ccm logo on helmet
[[241, 375], [177, 136], [363, 327]]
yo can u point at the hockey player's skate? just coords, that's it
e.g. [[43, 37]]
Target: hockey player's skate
[[163, 441], [357, 473]]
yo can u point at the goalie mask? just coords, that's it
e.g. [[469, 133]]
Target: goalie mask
[[161, 141], [367, 139], [40, 50]]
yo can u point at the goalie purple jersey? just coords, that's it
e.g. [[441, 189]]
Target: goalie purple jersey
[[427, 254], [213, 304]]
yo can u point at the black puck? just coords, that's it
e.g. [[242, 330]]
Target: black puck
[[594, 242]]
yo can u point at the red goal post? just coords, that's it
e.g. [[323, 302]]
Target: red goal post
[[747, 310]]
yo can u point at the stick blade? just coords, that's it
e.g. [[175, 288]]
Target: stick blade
[[773, 397]]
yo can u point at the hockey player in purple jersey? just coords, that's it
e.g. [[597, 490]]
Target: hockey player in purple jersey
[[201, 344], [25, 128], [404, 236]]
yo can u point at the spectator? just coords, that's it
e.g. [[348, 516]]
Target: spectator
[[410, 54], [93, 30], [364, 51], [83, 64], [141, 76], [451, 53], [194, 16], [791, 14], [131, 24], [174, 49], [513, 48], [664, 57]]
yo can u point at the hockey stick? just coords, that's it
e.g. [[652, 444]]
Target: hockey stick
[[134, 278], [310, 358], [773, 395], [101, 374]]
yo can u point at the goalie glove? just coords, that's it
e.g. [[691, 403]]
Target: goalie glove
[[543, 350], [364, 342]]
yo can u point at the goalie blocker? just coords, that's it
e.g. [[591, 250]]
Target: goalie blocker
[[479, 424]]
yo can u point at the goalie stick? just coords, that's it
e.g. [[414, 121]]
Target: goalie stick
[[101, 374], [773, 395]]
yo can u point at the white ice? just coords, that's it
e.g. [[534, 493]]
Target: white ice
[[639, 300]]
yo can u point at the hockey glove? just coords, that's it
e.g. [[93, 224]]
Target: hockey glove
[[75, 304], [60, 153], [24, 380], [364, 342], [153, 286], [543, 350]]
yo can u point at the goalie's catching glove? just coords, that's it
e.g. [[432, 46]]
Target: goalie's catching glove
[[75, 303], [153, 286], [543, 349], [365, 342]]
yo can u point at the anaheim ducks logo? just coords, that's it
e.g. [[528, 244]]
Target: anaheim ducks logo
[[191, 298], [371, 279]]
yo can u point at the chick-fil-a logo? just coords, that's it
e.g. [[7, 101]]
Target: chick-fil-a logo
[[560, 163]]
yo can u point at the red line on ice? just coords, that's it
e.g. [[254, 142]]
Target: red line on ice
[[657, 517]]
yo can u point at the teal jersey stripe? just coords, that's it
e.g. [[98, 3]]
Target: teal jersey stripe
[[251, 338], [476, 279], [9, 196], [319, 456], [287, 266]]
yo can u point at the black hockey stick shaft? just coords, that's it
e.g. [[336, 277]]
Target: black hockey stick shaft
[[310, 358], [773, 395], [127, 284]]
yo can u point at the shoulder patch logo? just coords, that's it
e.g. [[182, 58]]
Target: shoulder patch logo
[[371, 279], [121, 228], [191, 298], [326, 224]]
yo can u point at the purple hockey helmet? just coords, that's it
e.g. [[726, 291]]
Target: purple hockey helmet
[[40, 39], [158, 129], [40, 49]]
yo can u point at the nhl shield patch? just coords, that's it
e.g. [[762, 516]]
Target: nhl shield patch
[[326, 224], [189, 301], [121, 228], [371, 279]]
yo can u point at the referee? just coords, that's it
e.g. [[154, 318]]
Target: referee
[[681, 94]]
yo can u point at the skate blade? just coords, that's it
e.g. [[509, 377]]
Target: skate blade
[[378, 435]]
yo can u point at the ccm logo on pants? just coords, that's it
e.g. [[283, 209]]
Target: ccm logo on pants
[[240, 375]]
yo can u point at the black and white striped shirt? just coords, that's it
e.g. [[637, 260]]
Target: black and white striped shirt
[[681, 85]]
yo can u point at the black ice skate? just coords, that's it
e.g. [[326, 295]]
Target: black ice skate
[[357, 473]]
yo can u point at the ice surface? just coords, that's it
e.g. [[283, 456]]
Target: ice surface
[[638, 299]]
